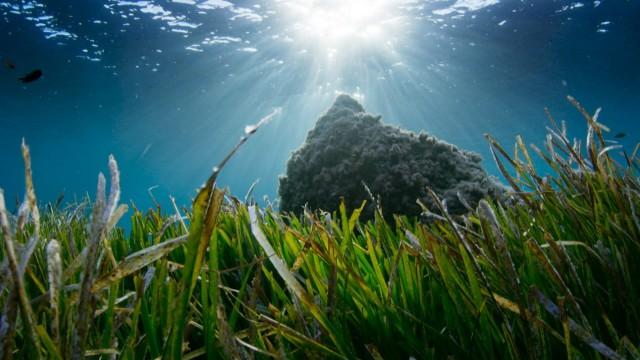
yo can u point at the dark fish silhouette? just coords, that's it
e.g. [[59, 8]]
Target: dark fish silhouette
[[32, 76], [620, 135], [9, 64]]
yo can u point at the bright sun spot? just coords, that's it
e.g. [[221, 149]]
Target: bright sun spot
[[335, 24]]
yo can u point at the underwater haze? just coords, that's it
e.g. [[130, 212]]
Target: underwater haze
[[168, 86]]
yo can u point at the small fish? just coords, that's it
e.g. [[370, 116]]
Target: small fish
[[620, 135], [9, 64], [32, 76]]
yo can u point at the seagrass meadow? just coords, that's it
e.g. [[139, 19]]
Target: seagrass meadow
[[550, 273]]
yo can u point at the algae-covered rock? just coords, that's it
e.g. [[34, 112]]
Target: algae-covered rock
[[349, 147]]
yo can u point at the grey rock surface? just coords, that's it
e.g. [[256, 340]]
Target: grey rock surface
[[349, 147]]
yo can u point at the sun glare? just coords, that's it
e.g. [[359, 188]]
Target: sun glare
[[335, 24]]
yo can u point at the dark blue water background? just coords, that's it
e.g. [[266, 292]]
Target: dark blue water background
[[168, 87]]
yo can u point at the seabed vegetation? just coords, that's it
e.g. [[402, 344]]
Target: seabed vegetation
[[551, 273]]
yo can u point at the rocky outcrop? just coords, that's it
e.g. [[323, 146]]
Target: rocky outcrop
[[348, 147]]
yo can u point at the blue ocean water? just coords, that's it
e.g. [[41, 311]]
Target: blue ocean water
[[168, 86]]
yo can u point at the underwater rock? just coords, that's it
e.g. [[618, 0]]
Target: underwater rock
[[349, 147]]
